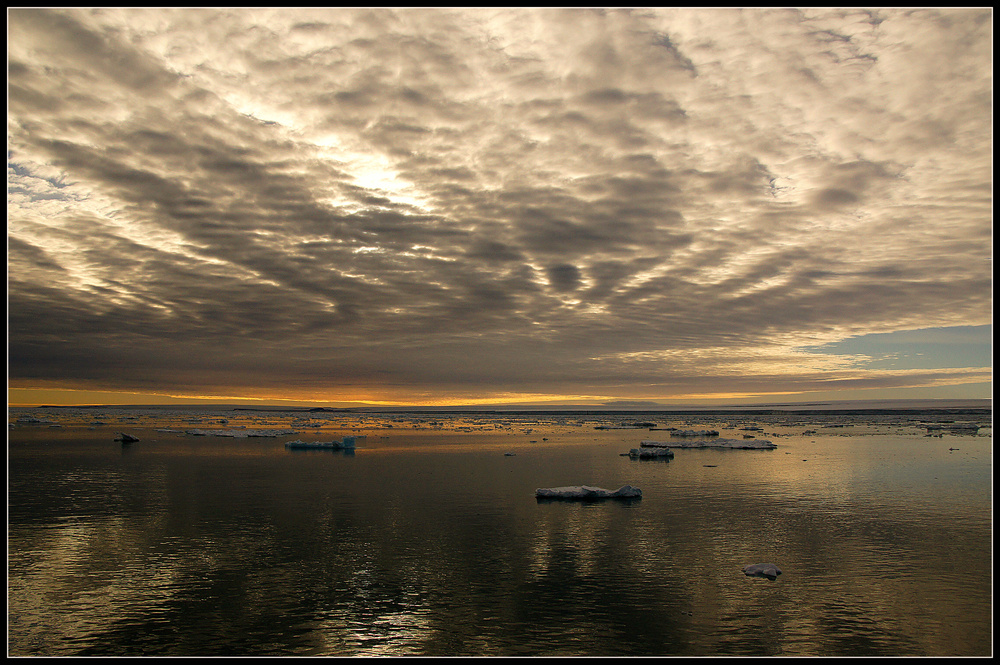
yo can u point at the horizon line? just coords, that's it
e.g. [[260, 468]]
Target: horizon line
[[882, 403]]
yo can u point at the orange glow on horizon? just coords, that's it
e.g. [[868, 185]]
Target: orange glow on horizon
[[31, 397], [65, 396]]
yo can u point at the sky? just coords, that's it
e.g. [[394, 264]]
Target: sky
[[378, 206]]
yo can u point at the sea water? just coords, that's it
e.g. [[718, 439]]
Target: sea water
[[427, 538]]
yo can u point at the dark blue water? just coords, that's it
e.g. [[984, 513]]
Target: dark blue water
[[428, 539]]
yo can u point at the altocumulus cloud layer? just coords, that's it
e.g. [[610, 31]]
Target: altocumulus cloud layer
[[455, 204]]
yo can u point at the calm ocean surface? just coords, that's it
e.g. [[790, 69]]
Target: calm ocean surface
[[428, 540]]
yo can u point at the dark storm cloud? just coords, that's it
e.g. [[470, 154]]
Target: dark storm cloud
[[564, 277], [498, 201]]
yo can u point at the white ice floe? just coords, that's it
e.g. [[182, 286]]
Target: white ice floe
[[754, 444], [768, 570], [587, 492], [695, 432]]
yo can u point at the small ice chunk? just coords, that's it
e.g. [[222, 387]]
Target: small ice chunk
[[768, 570]]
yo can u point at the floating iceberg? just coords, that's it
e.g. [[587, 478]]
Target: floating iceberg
[[585, 492], [768, 570], [126, 438], [693, 432], [754, 444]]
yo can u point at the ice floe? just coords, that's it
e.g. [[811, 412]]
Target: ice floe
[[638, 425], [347, 443], [954, 427], [586, 492], [752, 444], [29, 420], [240, 433], [651, 453]]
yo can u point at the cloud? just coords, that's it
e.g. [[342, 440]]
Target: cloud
[[470, 202]]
